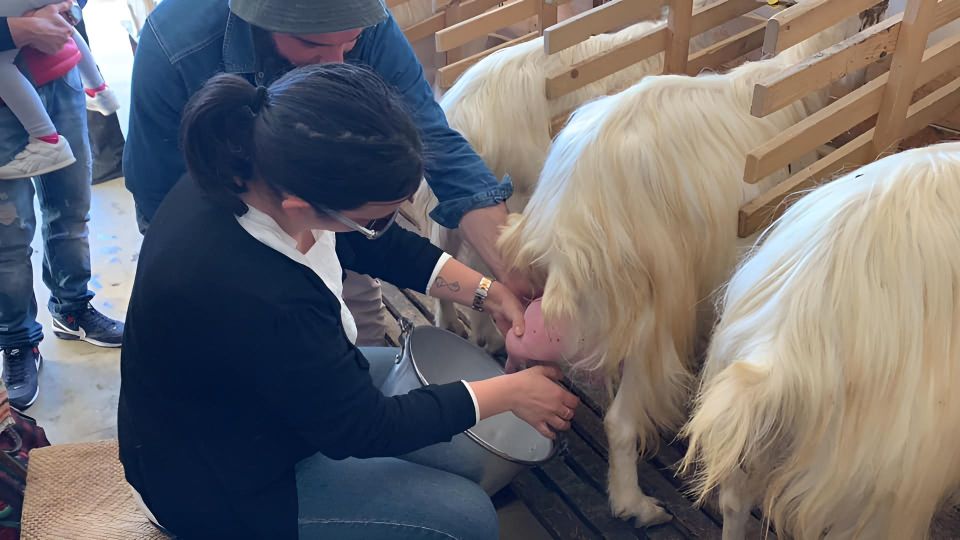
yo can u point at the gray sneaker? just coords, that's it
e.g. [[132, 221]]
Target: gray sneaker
[[88, 325], [20, 373]]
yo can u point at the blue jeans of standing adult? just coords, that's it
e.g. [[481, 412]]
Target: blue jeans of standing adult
[[64, 203], [389, 498]]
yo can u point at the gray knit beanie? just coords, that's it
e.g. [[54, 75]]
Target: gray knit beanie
[[310, 16]]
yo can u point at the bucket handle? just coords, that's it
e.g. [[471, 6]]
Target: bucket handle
[[406, 328]]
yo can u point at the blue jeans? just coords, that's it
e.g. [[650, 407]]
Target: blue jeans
[[64, 203], [389, 498]]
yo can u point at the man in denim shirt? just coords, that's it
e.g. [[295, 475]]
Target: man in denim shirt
[[185, 42], [48, 58]]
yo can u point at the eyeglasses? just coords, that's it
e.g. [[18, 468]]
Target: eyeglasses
[[374, 229]]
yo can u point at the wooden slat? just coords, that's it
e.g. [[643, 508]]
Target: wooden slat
[[448, 75], [718, 13], [425, 28], [393, 333], [854, 53], [918, 20], [579, 28], [400, 306], [614, 60], [557, 123], [548, 15], [932, 107], [848, 111], [765, 208], [591, 505], [394, 3], [669, 455], [762, 210], [592, 398], [640, 48], [453, 14], [678, 36], [729, 49], [549, 509], [802, 21], [423, 303], [821, 70], [473, 8], [653, 481], [470, 29]]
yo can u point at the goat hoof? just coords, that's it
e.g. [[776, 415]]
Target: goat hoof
[[646, 510]]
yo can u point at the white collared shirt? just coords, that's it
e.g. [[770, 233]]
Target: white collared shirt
[[321, 258]]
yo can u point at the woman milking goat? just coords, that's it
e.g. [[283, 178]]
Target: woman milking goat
[[263, 420]]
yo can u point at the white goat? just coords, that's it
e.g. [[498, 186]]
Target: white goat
[[633, 226], [829, 391], [499, 105]]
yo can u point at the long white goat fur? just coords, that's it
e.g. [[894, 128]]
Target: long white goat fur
[[499, 105], [635, 217], [633, 226], [833, 373]]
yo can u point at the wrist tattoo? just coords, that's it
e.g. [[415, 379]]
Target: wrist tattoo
[[440, 283]]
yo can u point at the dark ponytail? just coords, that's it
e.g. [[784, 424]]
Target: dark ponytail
[[331, 134]]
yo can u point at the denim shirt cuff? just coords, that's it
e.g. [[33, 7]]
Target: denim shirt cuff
[[449, 213]]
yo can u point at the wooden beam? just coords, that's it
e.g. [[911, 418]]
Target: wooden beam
[[801, 21], [394, 3], [918, 20], [718, 13], [455, 15], [868, 46], [548, 15], [473, 8], [843, 114], [640, 48], [557, 123], [932, 107], [762, 210], [729, 49], [821, 70], [579, 28], [678, 36], [448, 75], [470, 29], [425, 28], [616, 59], [438, 22]]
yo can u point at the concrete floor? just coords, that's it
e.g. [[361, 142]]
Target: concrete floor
[[79, 383]]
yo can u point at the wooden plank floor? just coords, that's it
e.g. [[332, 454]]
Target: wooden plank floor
[[568, 494]]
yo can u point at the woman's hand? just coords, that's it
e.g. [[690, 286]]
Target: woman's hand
[[505, 309], [533, 395], [542, 402], [43, 29]]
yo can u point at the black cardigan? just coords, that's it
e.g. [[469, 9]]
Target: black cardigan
[[235, 366]]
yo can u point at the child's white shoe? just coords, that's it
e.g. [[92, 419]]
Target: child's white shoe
[[103, 101], [39, 157]]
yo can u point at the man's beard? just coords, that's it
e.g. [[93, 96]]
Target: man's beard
[[271, 64]]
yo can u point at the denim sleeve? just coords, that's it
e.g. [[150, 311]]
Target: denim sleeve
[[6, 39], [455, 173], [152, 162]]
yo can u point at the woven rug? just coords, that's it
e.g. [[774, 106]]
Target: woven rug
[[78, 492]]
